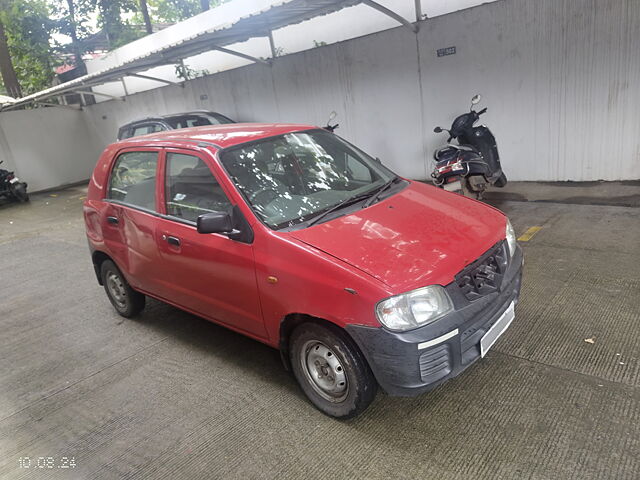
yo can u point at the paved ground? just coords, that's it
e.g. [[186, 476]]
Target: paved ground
[[623, 194], [172, 396]]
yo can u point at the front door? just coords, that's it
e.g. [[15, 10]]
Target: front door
[[208, 274]]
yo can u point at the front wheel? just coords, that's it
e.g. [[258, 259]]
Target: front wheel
[[331, 370]]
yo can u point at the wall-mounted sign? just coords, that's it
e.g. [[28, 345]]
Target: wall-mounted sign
[[443, 52]]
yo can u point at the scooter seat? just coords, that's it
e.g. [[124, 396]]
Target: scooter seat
[[450, 152]]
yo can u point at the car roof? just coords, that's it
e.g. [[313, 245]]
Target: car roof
[[190, 112], [161, 118], [222, 136]]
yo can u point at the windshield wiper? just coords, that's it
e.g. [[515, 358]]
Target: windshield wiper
[[372, 195], [379, 192], [344, 203]]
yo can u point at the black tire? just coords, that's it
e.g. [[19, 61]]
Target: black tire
[[20, 192], [466, 190], [348, 365], [124, 299], [501, 181]]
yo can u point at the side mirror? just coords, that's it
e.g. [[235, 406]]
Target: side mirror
[[215, 222], [332, 115], [476, 99], [438, 130]]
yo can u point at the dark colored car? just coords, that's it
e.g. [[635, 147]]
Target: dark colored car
[[197, 118]]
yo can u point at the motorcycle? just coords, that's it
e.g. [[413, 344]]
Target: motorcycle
[[12, 187], [472, 165]]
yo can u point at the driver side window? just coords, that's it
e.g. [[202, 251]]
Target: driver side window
[[191, 189]]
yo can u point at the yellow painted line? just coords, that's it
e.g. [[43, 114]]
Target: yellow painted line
[[528, 235]]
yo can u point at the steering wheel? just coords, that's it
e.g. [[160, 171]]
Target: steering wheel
[[269, 193]]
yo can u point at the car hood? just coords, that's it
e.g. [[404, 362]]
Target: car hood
[[420, 236]]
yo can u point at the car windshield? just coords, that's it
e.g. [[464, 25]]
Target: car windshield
[[196, 120], [297, 176]]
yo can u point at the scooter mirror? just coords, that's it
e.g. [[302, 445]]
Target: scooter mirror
[[476, 99], [437, 130], [332, 115]]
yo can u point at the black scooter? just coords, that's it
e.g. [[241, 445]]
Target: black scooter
[[11, 187], [474, 164]]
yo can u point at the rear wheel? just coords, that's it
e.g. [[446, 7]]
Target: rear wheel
[[20, 192], [331, 370], [124, 299], [466, 188], [501, 181]]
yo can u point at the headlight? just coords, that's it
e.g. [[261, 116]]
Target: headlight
[[414, 309], [511, 238]]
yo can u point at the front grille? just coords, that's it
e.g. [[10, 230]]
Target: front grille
[[435, 363], [484, 276]]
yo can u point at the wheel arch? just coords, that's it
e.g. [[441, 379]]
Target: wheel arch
[[292, 320], [98, 257]]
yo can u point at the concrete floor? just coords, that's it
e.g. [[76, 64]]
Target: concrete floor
[[172, 396]]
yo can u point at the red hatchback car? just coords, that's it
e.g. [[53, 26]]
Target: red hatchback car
[[294, 237]]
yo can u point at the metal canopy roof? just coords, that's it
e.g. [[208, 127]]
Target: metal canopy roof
[[272, 16]]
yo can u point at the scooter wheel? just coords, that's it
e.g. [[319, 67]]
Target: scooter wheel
[[502, 180], [20, 192]]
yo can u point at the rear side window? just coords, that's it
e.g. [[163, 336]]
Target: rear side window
[[133, 179], [191, 188], [146, 129], [188, 121]]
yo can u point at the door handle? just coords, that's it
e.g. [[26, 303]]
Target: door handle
[[171, 240], [113, 220]]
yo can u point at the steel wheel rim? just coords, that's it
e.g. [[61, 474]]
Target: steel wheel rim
[[324, 371], [116, 288]]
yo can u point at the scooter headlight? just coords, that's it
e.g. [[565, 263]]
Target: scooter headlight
[[511, 238], [414, 309]]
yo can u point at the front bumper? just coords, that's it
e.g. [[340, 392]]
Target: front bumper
[[408, 364]]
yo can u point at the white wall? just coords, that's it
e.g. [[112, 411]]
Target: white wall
[[48, 147], [561, 79]]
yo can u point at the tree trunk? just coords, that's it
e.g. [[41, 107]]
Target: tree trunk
[[77, 51], [145, 15], [9, 77], [204, 5]]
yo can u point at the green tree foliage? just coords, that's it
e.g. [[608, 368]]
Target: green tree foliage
[[28, 29], [171, 11], [110, 18], [72, 20]]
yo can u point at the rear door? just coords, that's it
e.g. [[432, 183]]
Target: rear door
[[129, 220], [208, 274]]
